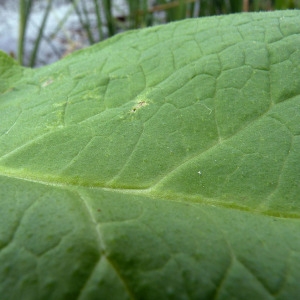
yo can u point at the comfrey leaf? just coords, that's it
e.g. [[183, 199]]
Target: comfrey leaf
[[162, 163]]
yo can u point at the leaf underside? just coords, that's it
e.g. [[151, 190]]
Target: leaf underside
[[162, 163]]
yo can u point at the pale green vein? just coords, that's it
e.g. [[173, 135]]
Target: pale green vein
[[154, 194]]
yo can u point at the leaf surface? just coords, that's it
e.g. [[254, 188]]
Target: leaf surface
[[160, 164]]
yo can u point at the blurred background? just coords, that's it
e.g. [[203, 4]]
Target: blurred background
[[39, 32]]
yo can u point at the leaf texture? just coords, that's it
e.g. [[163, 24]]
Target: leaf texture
[[162, 163]]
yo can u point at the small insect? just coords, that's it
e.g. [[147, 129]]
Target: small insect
[[47, 82], [139, 105], [199, 172]]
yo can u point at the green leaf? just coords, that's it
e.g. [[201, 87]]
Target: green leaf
[[162, 163]]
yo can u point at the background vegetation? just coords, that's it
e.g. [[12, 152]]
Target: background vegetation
[[139, 14]]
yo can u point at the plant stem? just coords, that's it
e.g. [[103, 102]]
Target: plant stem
[[24, 11], [99, 21], [40, 35]]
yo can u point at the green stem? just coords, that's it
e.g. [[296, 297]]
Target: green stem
[[109, 17], [24, 11], [40, 35], [99, 22]]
